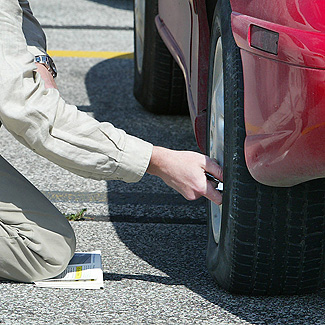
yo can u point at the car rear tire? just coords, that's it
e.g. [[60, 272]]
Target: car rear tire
[[158, 81], [263, 240]]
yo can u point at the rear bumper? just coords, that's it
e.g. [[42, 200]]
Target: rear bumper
[[284, 104]]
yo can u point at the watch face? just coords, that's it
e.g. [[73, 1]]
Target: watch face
[[41, 59]]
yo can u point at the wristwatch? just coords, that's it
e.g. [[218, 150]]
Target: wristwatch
[[47, 61]]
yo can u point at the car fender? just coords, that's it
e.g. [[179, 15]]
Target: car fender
[[284, 92]]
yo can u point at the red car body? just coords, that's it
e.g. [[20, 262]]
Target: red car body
[[284, 89]]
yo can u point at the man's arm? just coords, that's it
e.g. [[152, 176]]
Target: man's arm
[[39, 118], [183, 171]]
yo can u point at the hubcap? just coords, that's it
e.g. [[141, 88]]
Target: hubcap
[[139, 15], [217, 130]]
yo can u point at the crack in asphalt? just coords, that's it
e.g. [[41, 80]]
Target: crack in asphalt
[[155, 200]]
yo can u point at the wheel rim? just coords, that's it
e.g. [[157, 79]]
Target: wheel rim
[[139, 14], [217, 130]]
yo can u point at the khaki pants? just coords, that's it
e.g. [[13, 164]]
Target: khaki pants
[[36, 240]]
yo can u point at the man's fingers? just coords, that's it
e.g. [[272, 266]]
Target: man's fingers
[[213, 194], [214, 169]]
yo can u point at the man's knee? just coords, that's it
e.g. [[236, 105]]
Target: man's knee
[[22, 263], [56, 260]]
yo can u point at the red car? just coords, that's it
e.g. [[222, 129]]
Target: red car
[[252, 74]]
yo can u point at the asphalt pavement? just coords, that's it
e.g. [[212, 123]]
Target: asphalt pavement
[[152, 240]]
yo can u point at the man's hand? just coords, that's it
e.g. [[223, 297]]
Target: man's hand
[[46, 76], [184, 171]]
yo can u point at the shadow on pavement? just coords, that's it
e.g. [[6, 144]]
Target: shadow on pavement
[[177, 250], [109, 86], [141, 277]]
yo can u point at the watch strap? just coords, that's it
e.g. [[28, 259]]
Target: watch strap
[[47, 61]]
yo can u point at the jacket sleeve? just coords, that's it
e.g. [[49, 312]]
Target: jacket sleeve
[[41, 120]]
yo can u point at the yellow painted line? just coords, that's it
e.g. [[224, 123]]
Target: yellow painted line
[[92, 54]]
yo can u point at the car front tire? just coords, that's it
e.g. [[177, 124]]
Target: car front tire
[[264, 240]]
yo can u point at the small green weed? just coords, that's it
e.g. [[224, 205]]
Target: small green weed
[[79, 216]]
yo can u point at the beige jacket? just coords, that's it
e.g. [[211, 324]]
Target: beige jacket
[[40, 119]]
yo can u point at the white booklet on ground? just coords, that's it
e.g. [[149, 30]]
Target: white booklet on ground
[[83, 272]]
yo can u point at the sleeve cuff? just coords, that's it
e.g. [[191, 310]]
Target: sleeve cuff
[[135, 159]]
